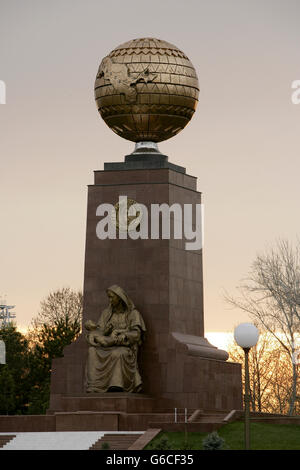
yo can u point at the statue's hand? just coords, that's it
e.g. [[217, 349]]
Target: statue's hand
[[119, 337], [114, 335], [122, 337]]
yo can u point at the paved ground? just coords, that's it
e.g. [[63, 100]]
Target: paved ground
[[76, 440]]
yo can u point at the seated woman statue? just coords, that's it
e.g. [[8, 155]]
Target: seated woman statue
[[114, 342]]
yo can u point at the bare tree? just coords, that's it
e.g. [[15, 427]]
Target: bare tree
[[269, 374], [280, 383], [261, 366], [271, 295], [61, 304]]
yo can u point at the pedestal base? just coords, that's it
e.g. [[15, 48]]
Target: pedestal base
[[165, 281]]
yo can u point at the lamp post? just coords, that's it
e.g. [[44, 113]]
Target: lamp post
[[246, 336]]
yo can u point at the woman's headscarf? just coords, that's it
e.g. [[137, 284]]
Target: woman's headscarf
[[122, 294], [131, 311]]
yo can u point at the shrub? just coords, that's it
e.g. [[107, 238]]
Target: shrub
[[162, 444], [105, 446], [213, 442]]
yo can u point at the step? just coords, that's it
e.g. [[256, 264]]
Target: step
[[189, 427], [120, 402], [116, 441], [210, 419], [5, 439]]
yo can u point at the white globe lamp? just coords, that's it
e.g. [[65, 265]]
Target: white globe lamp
[[246, 336]]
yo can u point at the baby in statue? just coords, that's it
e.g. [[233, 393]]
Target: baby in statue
[[110, 337]]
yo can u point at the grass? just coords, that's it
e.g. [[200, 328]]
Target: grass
[[264, 436]]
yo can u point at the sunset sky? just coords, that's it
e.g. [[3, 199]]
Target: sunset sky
[[242, 144]]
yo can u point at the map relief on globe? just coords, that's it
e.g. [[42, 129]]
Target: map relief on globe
[[146, 90]]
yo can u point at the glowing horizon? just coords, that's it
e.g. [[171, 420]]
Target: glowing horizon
[[220, 339]]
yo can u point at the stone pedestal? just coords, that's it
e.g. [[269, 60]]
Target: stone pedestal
[[165, 281]]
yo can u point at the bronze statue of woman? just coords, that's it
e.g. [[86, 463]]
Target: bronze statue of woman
[[113, 346]]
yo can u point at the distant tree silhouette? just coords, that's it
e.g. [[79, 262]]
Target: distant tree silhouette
[[271, 295]]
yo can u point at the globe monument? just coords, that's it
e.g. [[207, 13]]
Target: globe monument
[[146, 90], [142, 351]]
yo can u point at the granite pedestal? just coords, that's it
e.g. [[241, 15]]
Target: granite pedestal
[[179, 367]]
